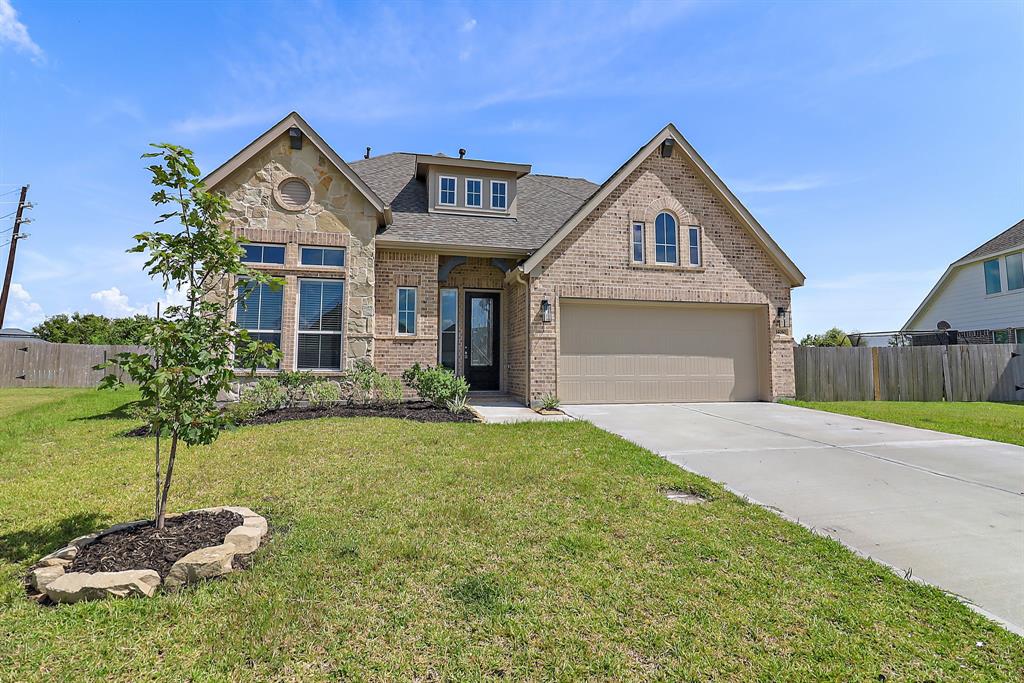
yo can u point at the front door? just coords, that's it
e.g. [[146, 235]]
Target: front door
[[482, 351]]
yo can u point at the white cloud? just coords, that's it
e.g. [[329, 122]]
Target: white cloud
[[22, 311], [218, 122], [799, 184], [15, 33], [468, 25], [116, 304]]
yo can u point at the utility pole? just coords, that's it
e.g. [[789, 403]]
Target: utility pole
[[10, 257]]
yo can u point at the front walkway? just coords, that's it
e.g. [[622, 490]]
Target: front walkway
[[504, 410], [946, 508]]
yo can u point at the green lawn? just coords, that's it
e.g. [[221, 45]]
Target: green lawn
[[404, 551], [996, 421]]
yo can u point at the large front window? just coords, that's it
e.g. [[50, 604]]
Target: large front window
[[321, 303], [666, 242], [259, 311], [449, 315]]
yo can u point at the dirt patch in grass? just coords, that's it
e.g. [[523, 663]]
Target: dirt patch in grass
[[146, 547], [420, 411]]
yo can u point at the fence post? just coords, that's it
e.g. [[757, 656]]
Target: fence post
[[875, 380], [947, 382]]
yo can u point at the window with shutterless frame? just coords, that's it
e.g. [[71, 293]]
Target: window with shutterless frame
[[694, 243], [993, 279], [637, 243], [666, 239], [448, 329], [447, 190], [499, 194], [322, 256], [406, 310], [474, 192], [258, 310], [263, 253], [321, 306], [1014, 271]]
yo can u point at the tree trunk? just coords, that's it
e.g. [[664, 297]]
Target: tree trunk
[[162, 506], [156, 475]]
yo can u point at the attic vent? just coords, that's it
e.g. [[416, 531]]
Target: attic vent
[[294, 194]]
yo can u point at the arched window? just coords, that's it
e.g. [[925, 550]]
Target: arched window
[[666, 239]]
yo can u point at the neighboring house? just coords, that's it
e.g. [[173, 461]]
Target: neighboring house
[[980, 296], [19, 334], [657, 285]]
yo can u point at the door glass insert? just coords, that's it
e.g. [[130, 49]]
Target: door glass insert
[[481, 329]]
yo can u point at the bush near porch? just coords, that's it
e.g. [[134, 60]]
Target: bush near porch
[[406, 551]]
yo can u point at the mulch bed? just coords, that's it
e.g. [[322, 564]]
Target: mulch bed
[[420, 411], [145, 547]]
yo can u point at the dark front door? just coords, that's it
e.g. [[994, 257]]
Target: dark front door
[[482, 351]]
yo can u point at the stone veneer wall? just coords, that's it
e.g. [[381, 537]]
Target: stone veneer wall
[[338, 215], [393, 352], [594, 262]]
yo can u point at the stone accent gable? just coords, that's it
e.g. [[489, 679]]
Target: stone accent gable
[[337, 215], [594, 261]]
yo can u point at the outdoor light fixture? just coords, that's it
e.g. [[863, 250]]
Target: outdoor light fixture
[[295, 137], [545, 310], [666, 148], [782, 317]]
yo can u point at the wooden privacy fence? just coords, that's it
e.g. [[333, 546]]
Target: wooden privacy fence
[[27, 363], [970, 372]]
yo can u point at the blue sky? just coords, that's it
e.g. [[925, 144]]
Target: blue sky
[[876, 142]]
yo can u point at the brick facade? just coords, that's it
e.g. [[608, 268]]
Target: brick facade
[[393, 352], [593, 262]]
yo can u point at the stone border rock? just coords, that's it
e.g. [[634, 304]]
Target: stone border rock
[[49, 578]]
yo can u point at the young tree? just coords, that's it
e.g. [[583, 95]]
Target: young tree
[[195, 348]]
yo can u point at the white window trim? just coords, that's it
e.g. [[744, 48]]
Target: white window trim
[[490, 188], [266, 244], [279, 332], [339, 333], [303, 247], [474, 180], [1004, 272], [632, 242], [440, 330], [415, 311], [440, 190], [700, 245], [656, 243]]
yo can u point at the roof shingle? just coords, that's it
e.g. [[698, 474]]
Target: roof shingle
[[1008, 239]]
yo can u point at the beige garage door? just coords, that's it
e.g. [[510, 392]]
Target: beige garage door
[[649, 353]]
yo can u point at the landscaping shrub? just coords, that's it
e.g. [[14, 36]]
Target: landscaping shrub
[[265, 395], [388, 390], [550, 402], [438, 385], [322, 393], [294, 383], [370, 385]]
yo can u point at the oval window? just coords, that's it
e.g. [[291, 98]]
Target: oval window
[[294, 193]]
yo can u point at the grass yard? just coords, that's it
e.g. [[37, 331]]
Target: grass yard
[[406, 551], [995, 421]]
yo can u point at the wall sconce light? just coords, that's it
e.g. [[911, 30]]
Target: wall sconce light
[[782, 317], [295, 138], [545, 310], [666, 148]]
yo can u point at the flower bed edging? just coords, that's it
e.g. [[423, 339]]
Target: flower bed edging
[[49, 576]]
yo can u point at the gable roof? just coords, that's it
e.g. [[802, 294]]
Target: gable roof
[[732, 202], [544, 203], [293, 120], [1012, 237], [1008, 240]]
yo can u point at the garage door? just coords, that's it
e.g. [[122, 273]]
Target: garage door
[[632, 352]]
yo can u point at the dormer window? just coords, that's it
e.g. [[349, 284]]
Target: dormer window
[[447, 191], [474, 192], [499, 194]]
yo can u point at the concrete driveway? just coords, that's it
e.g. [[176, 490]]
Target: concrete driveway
[[948, 508]]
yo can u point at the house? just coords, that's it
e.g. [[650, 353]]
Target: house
[[657, 285], [19, 334], [980, 296]]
